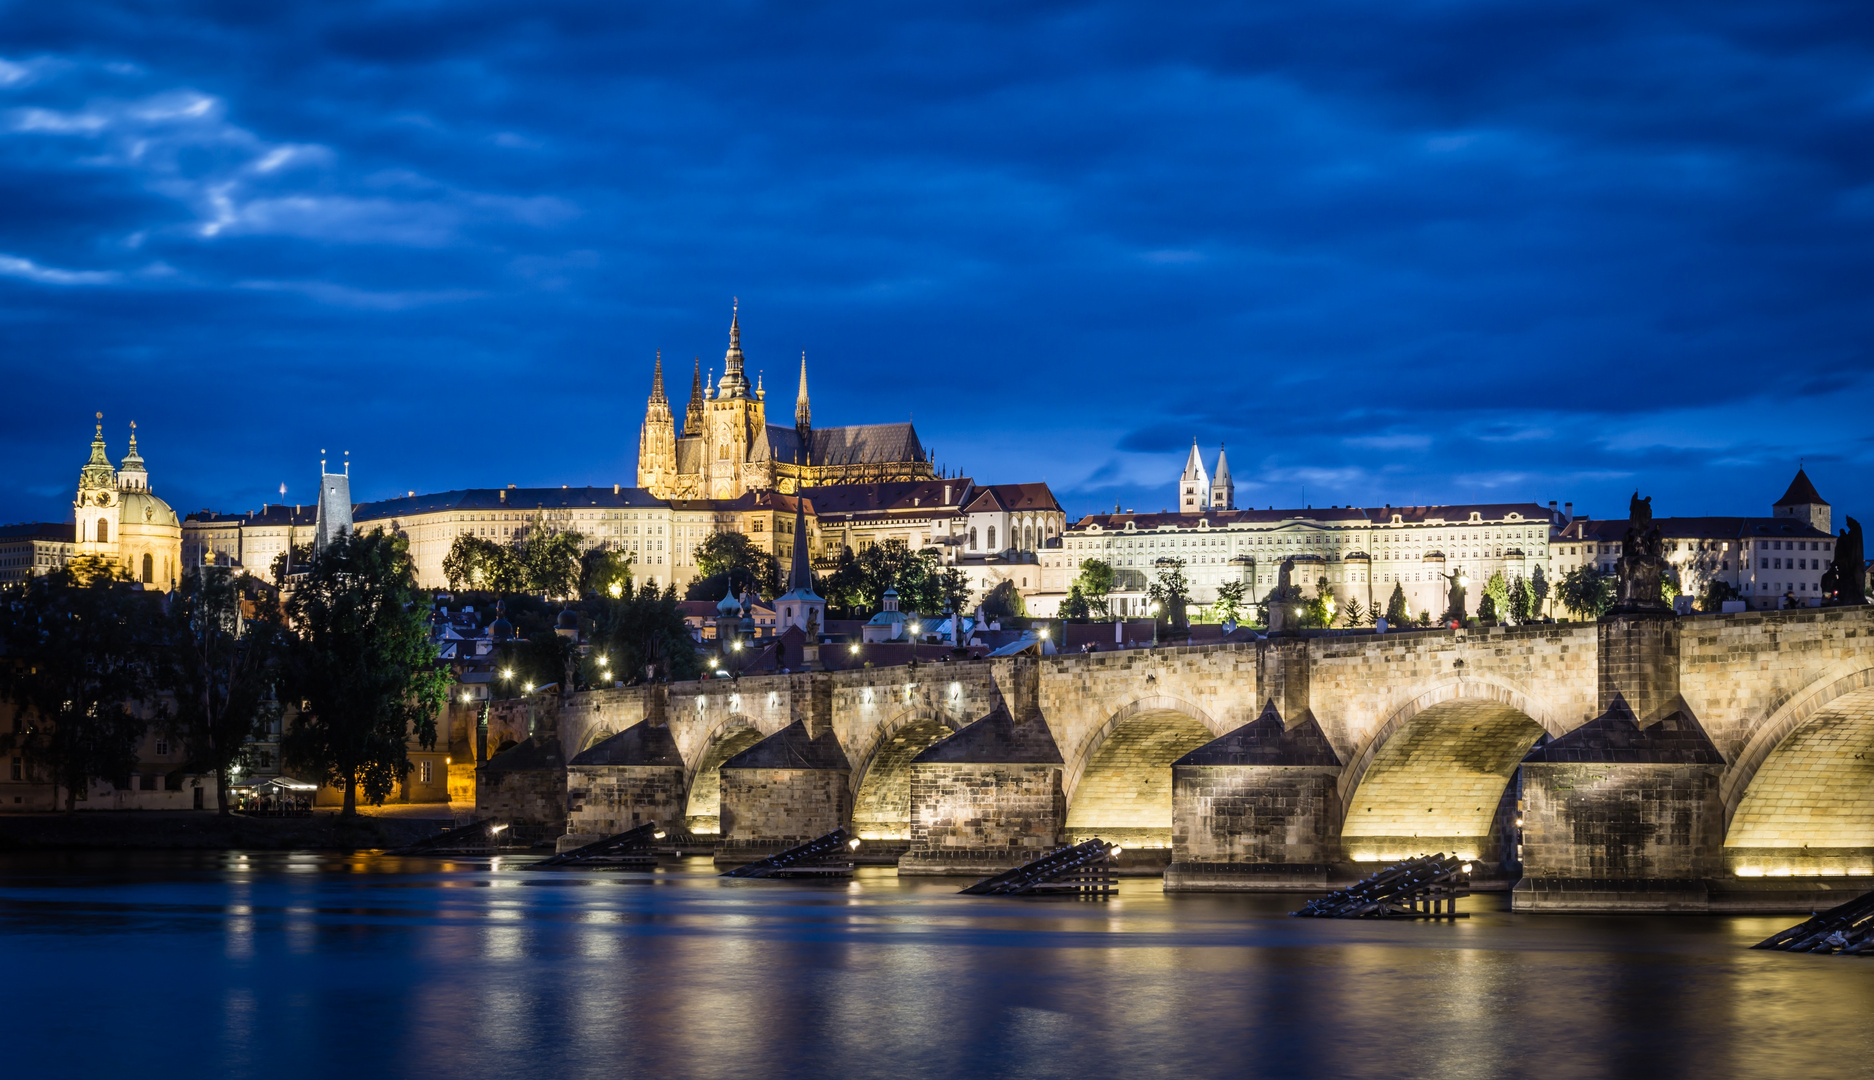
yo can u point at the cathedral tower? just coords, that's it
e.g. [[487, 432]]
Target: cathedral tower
[[1194, 485], [657, 441], [803, 413], [1222, 491], [96, 506], [735, 422]]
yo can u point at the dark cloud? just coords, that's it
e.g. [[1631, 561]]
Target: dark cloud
[[1398, 252]]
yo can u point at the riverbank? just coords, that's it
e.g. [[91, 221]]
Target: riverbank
[[185, 830]]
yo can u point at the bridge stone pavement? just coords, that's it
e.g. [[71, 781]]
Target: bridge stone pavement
[[1429, 727]]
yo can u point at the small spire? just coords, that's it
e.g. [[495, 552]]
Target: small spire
[[803, 414], [657, 378]]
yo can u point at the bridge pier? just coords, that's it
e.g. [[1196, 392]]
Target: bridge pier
[[634, 777], [1255, 809], [787, 789], [986, 799]]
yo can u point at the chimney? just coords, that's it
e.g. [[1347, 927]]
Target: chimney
[[504, 497], [1568, 512], [946, 494], [614, 489]]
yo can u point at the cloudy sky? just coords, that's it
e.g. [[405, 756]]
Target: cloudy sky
[[1391, 252]]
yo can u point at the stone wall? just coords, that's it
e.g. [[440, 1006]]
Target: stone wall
[[765, 811], [1736, 671], [604, 800], [976, 818], [1649, 833]]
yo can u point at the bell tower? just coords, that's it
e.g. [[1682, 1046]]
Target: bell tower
[[96, 508], [736, 418]]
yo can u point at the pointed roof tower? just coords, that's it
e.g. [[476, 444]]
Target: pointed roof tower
[[734, 383], [1803, 503], [1222, 490], [803, 413], [657, 381], [693, 417], [98, 473], [1194, 485]]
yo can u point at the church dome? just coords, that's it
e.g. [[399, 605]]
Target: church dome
[[568, 620], [501, 629], [729, 605], [142, 508]]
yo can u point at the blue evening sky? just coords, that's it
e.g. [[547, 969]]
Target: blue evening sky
[[1388, 252]]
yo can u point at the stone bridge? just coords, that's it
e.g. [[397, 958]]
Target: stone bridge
[[1692, 755]]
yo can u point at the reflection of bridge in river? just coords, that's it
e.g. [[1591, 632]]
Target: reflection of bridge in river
[[1657, 760]]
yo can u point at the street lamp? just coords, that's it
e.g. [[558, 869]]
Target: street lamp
[[1154, 611], [528, 688], [617, 589]]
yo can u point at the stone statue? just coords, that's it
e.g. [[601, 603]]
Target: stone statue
[[1845, 581], [1642, 567], [813, 626], [1455, 609]]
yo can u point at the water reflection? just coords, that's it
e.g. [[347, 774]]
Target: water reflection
[[296, 965]]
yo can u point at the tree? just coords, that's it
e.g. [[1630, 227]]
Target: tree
[[601, 569], [1522, 601], [721, 552], [220, 666], [858, 582], [297, 556], [1496, 599], [1171, 592], [1715, 594], [363, 668], [476, 562], [550, 559], [1398, 612], [1355, 614], [1319, 611], [1096, 581], [1538, 591], [1075, 606], [79, 659], [1585, 592], [645, 631], [1003, 602], [1230, 597]]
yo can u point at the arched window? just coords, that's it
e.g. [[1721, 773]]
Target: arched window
[[149, 569], [992, 538], [973, 538], [104, 531]]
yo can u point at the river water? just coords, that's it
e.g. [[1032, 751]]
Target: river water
[[228, 965]]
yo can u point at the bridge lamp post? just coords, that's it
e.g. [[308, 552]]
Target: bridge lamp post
[[1154, 611]]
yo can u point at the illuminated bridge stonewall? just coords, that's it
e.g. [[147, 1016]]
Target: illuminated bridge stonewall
[[1708, 762]]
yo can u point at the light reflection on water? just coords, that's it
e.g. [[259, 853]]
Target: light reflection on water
[[293, 965]]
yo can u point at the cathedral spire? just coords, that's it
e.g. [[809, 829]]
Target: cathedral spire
[[657, 380], [1194, 485], [1222, 490], [98, 473], [734, 383], [693, 418], [803, 414]]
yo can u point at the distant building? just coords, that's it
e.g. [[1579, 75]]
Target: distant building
[[252, 541], [115, 517], [38, 548]]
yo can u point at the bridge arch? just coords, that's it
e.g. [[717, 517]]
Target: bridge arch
[[1432, 776], [881, 806], [702, 812], [1119, 786], [1799, 800]]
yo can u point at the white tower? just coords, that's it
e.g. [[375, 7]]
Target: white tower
[[1194, 485], [1222, 491]]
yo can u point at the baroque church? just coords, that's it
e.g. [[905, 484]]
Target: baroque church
[[728, 448], [118, 518]]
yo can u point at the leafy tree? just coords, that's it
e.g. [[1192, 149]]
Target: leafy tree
[[1171, 591], [1096, 581], [953, 589], [724, 551], [1585, 592], [1355, 614], [477, 562], [301, 556], [858, 582], [363, 668], [550, 559], [89, 570], [1398, 611], [1075, 606], [1538, 591], [220, 665], [645, 630], [1003, 602], [735, 580], [1288, 596], [1319, 611], [1715, 594], [1230, 597], [1522, 601], [603, 568], [1496, 597], [79, 658]]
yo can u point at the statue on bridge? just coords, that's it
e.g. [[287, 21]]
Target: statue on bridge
[[1454, 610], [1642, 569], [1845, 580]]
